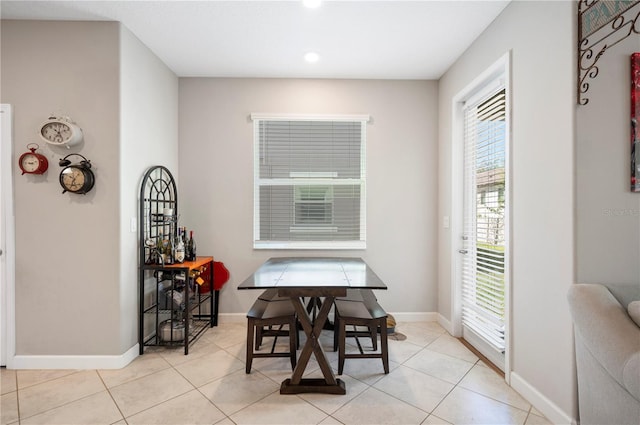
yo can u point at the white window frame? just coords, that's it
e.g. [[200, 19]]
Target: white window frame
[[309, 179]]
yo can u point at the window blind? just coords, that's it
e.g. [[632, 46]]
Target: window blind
[[309, 183], [483, 272]]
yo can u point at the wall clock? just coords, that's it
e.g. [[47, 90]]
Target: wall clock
[[76, 177], [32, 162], [61, 131]]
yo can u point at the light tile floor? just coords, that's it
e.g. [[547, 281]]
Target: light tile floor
[[434, 379]]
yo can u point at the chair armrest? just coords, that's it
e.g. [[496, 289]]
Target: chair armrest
[[608, 332]]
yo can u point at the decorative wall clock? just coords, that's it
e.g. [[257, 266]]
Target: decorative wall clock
[[61, 131], [76, 177], [32, 162]]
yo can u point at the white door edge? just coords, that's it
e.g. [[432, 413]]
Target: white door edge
[[7, 240]]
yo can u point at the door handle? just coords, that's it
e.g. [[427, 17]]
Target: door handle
[[463, 251]]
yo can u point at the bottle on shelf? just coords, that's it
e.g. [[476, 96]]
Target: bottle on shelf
[[180, 249], [159, 246], [150, 251], [191, 247], [167, 249]]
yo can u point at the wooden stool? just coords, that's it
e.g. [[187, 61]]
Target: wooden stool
[[263, 314], [361, 313]]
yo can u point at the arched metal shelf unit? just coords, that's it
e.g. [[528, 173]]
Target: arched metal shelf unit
[[172, 309]]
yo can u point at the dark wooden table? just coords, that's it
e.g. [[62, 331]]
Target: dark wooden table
[[299, 277]]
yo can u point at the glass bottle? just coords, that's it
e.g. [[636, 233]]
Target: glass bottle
[[180, 251], [191, 247], [168, 249], [160, 258]]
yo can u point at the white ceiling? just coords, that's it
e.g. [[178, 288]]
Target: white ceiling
[[355, 39]]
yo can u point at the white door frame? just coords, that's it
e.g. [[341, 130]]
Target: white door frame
[[7, 240], [501, 66]]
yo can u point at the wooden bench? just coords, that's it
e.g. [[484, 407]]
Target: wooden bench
[[271, 294], [261, 318], [360, 310]]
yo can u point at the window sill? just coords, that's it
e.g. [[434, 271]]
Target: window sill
[[329, 245]]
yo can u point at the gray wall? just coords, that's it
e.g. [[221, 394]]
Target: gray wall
[[148, 136], [608, 213], [76, 258], [216, 176], [67, 262], [542, 216]]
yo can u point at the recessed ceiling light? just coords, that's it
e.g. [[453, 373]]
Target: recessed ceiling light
[[311, 3], [311, 57]]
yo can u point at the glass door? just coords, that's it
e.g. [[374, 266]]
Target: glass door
[[484, 243]]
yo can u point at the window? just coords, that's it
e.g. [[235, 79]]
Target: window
[[313, 207], [309, 182]]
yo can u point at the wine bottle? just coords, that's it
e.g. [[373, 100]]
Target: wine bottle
[[191, 247], [180, 254], [160, 251], [168, 250], [188, 255]]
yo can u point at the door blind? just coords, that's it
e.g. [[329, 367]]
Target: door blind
[[483, 271], [310, 177]]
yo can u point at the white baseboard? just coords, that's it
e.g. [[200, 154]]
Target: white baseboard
[[73, 361], [445, 323], [415, 317], [544, 405], [232, 318]]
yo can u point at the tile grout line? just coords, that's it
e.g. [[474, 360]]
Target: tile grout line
[[454, 387], [527, 417], [422, 348], [18, 398], [429, 413], [481, 360], [207, 383], [20, 418], [112, 399], [146, 376], [251, 404]]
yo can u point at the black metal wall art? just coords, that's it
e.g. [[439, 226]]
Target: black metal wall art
[[601, 25]]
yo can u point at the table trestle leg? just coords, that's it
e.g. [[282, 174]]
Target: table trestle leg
[[312, 345]]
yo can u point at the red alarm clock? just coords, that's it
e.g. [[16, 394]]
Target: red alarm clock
[[32, 162]]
